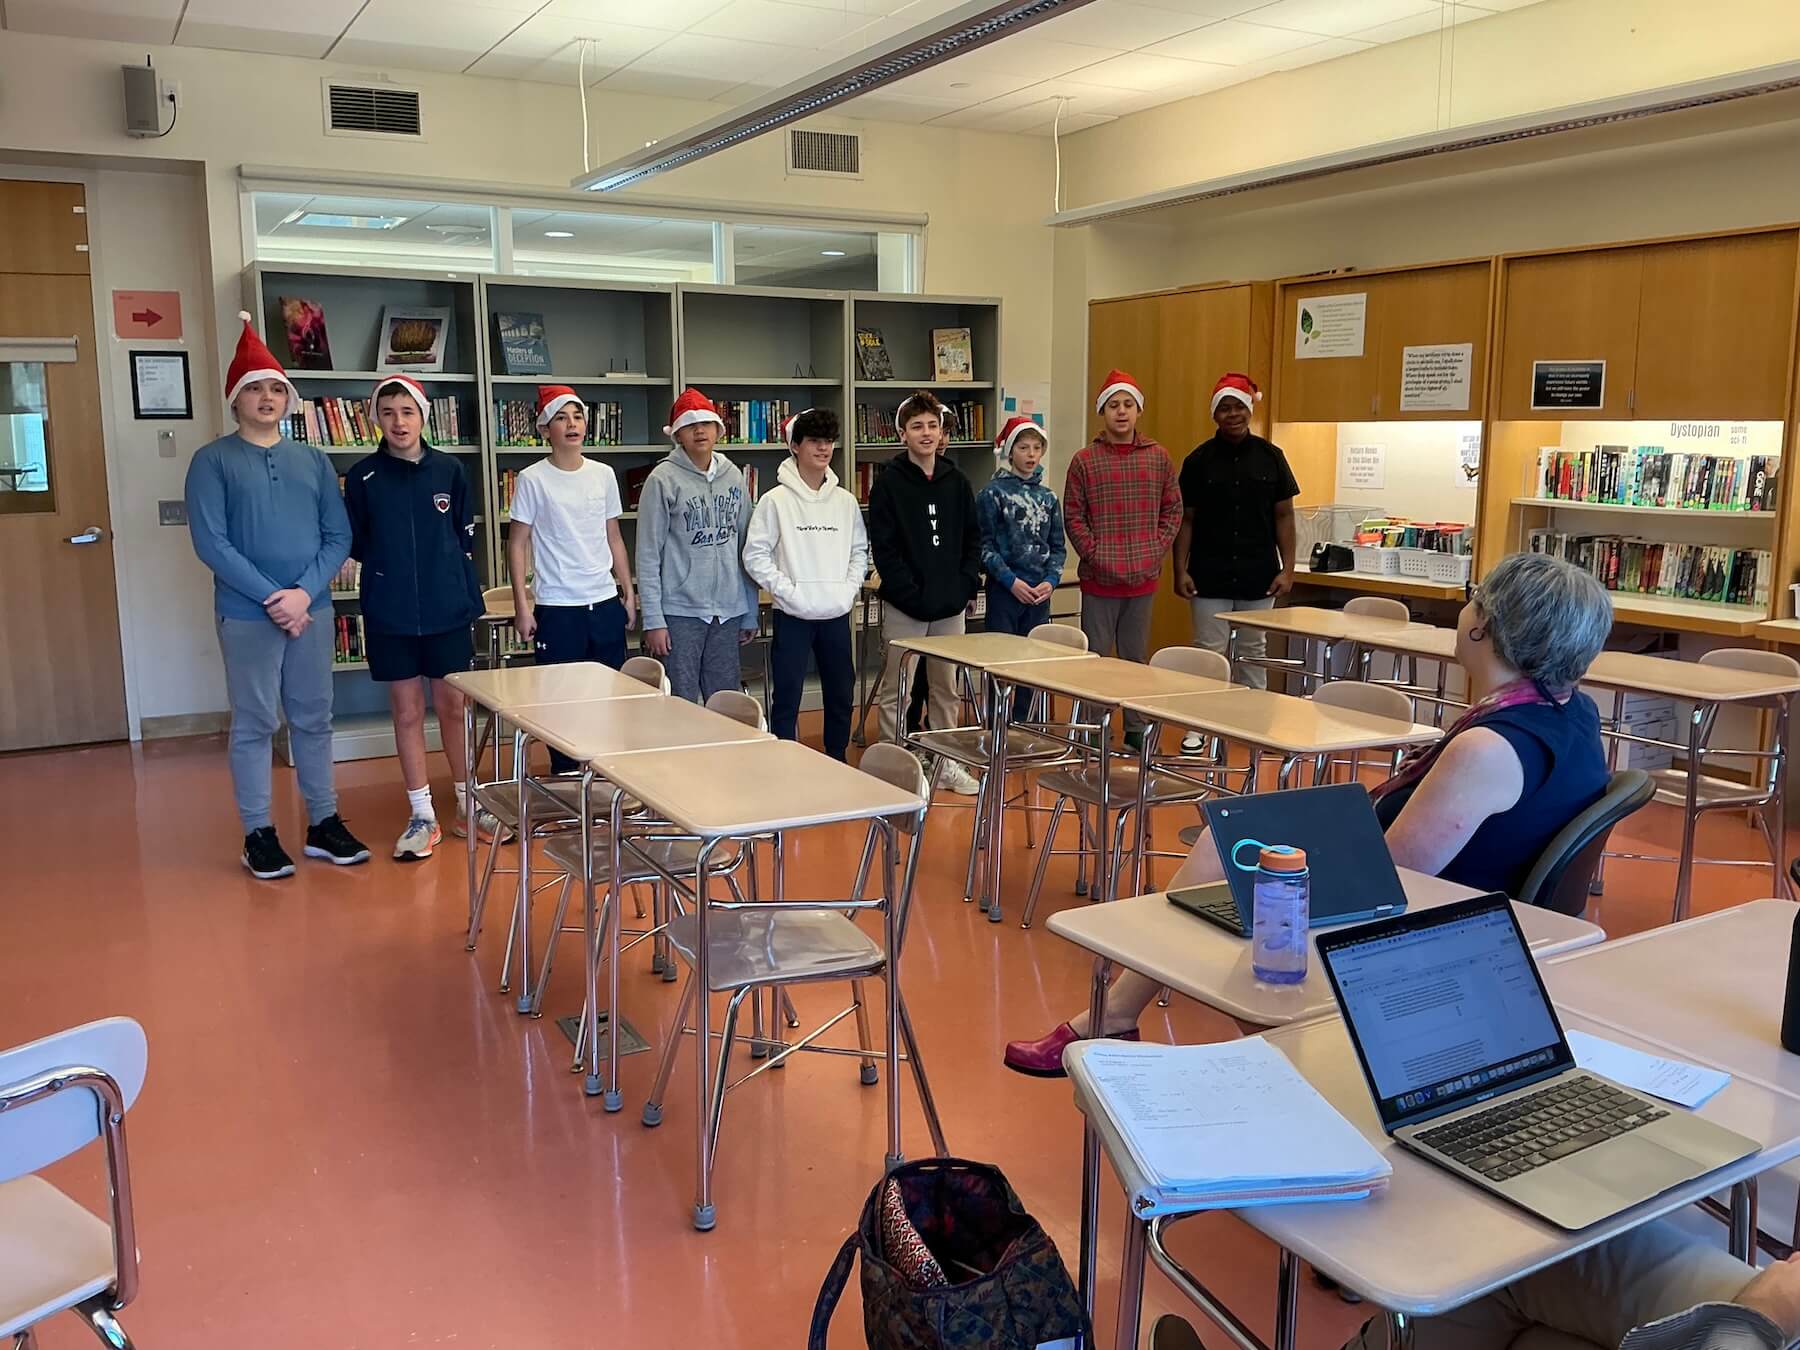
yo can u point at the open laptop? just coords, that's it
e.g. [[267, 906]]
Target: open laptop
[[1469, 1068], [1352, 874]]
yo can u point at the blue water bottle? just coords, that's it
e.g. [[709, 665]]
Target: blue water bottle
[[1283, 915]]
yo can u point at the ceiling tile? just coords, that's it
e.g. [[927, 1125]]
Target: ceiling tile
[[1071, 122], [675, 14], [555, 41], [1211, 9], [1041, 58], [966, 79], [1232, 43], [275, 26], [1101, 99], [1338, 18], [1325, 50], [438, 26], [640, 79], [401, 56], [717, 61], [133, 21], [801, 26], [885, 107], [1143, 71], [1113, 23], [269, 41], [1433, 21]]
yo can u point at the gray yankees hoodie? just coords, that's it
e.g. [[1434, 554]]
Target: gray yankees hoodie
[[690, 543]]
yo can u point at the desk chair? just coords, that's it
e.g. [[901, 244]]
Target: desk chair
[[57, 1095], [1564, 872], [646, 670], [1080, 785], [1763, 793], [783, 942], [497, 614], [1379, 699], [1362, 661]]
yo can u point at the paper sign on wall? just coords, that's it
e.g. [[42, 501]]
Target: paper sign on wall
[[1436, 378], [1468, 459], [146, 314], [1330, 325], [1362, 466]]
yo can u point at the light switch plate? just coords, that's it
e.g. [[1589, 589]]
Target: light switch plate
[[165, 443], [171, 513]]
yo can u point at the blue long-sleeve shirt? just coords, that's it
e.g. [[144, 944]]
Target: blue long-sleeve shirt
[[263, 519]]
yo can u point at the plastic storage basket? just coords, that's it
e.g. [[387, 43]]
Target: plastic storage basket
[[1449, 569], [1415, 562], [1373, 560]]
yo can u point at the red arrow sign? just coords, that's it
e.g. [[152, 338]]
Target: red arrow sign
[[147, 314]]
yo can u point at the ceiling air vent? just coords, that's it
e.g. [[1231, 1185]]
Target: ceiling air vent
[[824, 154], [362, 110]]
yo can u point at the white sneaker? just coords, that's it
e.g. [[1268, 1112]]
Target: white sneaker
[[417, 840], [1193, 743], [486, 826], [956, 778]]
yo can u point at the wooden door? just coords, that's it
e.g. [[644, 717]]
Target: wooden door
[[61, 673], [1324, 389], [1714, 328], [1570, 307], [1179, 344], [1429, 307]]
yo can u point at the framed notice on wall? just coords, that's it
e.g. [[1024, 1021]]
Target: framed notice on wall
[[1330, 325], [160, 386], [1568, 384]]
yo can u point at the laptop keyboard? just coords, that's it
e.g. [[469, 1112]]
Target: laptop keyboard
[[1526, 1132], [1222, 908]]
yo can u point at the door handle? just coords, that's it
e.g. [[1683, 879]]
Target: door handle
[[93, 534]]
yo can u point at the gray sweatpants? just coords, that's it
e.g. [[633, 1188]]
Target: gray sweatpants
[[1213, 632], [703, 656], [268, 674], [1118, 626]]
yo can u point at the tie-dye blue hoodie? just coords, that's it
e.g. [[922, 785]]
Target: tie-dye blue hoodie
[[1021, 528]]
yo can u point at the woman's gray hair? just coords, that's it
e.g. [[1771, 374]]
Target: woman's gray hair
[[1547, 619]]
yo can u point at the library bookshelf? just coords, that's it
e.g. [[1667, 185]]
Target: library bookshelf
[[627, 348]]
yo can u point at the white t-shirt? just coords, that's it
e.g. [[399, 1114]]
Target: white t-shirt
[[567, 510]]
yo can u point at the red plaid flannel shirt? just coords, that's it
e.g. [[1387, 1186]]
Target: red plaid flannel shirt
[[1121, 508]]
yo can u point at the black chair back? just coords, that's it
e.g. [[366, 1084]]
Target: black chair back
[[1564, 871]]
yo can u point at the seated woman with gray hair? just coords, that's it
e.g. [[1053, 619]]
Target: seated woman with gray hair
[[1480, 805]]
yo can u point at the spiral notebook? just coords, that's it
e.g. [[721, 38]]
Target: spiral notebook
[[1227, 1126]]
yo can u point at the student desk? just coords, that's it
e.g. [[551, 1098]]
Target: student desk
[[1708, 989], [726, 792], [1309, 624], [1429, 1243], [984, 653], [1706, 689], [1104, 684], [1201, 960], [582, 731]]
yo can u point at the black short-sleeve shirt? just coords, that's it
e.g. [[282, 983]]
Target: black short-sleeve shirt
[[1233, 487]]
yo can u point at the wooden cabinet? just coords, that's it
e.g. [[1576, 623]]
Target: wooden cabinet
[[1332, 388], [1693, 328], [1714, 327], [1570, 307]]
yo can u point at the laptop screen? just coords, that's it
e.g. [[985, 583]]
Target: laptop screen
[[1444, 1007]]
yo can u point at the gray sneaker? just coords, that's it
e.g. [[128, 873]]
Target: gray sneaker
[[487, 826], [956, 778], [417, 840]]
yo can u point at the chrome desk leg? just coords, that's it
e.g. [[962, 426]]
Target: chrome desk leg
[[1141, 804], [1400, 1331], [522, 910], [1700, 719], [98, 1313], [890, 915], [591, 939], [1131, 1284], [1743, 1220], [1287, 1302], [999, 716], [1105, 883], [1598, 885], [1776, 811], [473, 840], [705, 1215], [1090, 1154], [611, 921]]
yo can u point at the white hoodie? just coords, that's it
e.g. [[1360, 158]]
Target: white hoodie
[[808, 548]]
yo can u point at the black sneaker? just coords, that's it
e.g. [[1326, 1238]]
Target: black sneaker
[[264, 856], [331, 841]]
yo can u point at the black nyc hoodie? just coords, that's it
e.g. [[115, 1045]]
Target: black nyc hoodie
[[924, 538]]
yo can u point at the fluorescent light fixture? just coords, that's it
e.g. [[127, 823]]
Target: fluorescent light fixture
[[962, 30], [559, 234], [331, 221], [831, 253]]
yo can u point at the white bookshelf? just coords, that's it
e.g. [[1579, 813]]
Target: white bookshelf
[[1672, 512]]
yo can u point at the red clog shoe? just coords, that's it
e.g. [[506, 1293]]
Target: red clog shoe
[[1042, 1058]]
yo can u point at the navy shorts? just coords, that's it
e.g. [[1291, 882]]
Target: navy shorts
[[406, 656]]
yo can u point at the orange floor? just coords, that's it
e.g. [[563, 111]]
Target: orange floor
[[349, 1139]]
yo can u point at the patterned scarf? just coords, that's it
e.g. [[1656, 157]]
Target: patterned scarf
[[1418, 761]]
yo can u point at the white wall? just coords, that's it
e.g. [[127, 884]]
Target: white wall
[[60, 100]]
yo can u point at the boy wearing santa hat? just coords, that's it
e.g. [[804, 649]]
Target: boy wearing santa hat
[[699, 605], [1022, 547], [1121, 507], [266, 517], [1235, 549], [565, 534], [412, 527]]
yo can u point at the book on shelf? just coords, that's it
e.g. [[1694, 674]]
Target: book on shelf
[[524, 350], [865, 479], [515, 424], [345, 423], [966, 420], [753, 421], [635, 478], [412, 338], [349, 646], [1647, 475], [1735, 576], [1226, 1126], [952, 356], [872, 358], [750, 480], [308, 346], [348, 580]]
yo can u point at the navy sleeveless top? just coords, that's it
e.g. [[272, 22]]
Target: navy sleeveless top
[[1564, 772]]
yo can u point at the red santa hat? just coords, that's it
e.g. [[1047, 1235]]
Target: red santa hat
[[407, 385], [1234, 385], [551, 399], [1117, 381], [253, 362], [787, 425], [693, 406], [1015, 427]]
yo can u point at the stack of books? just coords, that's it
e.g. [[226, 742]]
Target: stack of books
[[1225, 1126], [515, 423], [348, 648], [1737, 576], [1644, 475], [345, 422]]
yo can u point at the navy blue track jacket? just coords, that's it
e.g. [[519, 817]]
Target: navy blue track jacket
[[412, 528]]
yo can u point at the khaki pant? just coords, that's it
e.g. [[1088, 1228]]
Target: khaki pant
[[1213, 632], [940, 677]]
